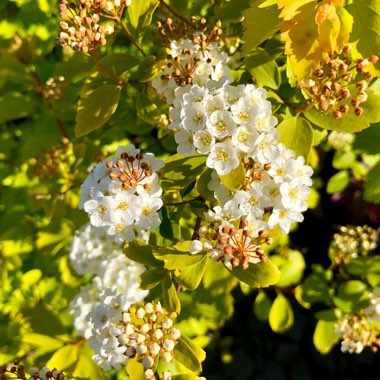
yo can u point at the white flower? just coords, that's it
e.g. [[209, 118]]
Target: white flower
[[184, 139], [284, 218], [98, 210], [223, 158], [220, 124], [294, 195], [229, 212], [266, 150], [244, 138], [232, 94], [146, 211], [194, 117], [244, 112], [203, 141]]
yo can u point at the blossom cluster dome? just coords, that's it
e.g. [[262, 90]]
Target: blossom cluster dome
[[190, 64], [97, 309], [122, 194]]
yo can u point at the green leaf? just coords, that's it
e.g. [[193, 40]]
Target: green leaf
[[281, 316], [96, 109], [372, 186], [147, 110], [365, 30], [344, 159], [315, 288], [135, 370], [142, 253], [373, 273], [291, 265], [86, 368], [149, 68], [324, 336], [235, 178], [260, 275], [202, 185], [263, 69], [358, 266], [14, 105], [352, 296], [118, 63], [64, 358], [231, 10], [191, 276], [188, 354], [177, 258], [367, 141], [166, 228], [260, 22], [43, 343], [180, 171], [262, 306], [297, 134], [349, 122], [170, 299], [151, 278], [338, 182], [140, 16]]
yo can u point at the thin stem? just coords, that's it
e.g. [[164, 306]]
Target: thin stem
[[291, 106], [105, 71], [175, 13], [129, 36], [307, 107], [196, 228]]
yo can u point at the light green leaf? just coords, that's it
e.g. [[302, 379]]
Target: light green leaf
[[135, 370], [191, 276], [260, 275], [14, 105], [118, 63], [147, 110], [372, 186], [149, 68], [263, 69], [349, 122], [188, 354], [352, 296], [324, 337], [170, 299], [260, 22], [180, 171], [235, 178], [281, 315], [365, 31], [142, 253], [231, 10], [297, 134], [96, 109], [202, 185], [64, 358], [151, 278], [43, 343], [291, 265], [338, 182], [373, 273], [86, 368], [262, 306]]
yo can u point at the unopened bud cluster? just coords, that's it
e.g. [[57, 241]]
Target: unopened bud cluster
[[235, 247], [148, 334], [54, 162], [13, 369], [351, 242], [194, 58], [123, 193], [339, 84], [80, 22], [53, 88], [357, 332]]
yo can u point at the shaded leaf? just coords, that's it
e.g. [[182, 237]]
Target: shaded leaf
[[372, 186], [262, 306], [338, 182], [324, 337], [281, 317]]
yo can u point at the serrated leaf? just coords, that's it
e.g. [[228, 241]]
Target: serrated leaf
[[281, 317], [96, 109], [180, 171], [262, 306], [263, 68], [365, 31], [191, 276], [260, 275], [349, 122], [338, 182], [324, 336], [235, 179], [372, 185], [188, 354], [260, 23], [297, 134]]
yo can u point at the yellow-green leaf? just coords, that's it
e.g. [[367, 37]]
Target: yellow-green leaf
[[324, 336], [96, 109], [281, 315], [235, 178]]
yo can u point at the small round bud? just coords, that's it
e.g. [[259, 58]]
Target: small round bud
[[175, 333], [157, 334], [373, 59], [141, 349], [168, 344], [145, 328], [154, 349], [148, 362], [167, 357], [140, 313], [123, 339], [149, 374], [167, 323], [359, 111]]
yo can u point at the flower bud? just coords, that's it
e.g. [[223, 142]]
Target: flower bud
[[167, 357], [175, 333], [148, 362], [168, 344], [167, 323]]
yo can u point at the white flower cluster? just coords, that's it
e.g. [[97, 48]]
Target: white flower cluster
[[148, 332], [98, 308], [362, 330], [122, 194], [202, 67]]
